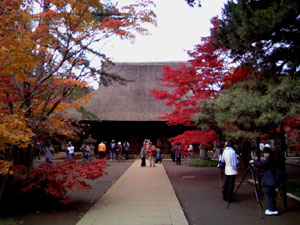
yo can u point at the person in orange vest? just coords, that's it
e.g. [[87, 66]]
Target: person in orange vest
[[101, 150]]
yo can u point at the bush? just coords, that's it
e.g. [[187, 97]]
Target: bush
[[63, 177], [202, 163], [7, 222], [293, 187], [48, 184]]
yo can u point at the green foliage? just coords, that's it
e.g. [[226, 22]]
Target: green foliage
[[237, 109], [202, 163], [254, 107], [78, 92], [192, 3], [206, 117], [7, 222], [293, 187], [284, 96], [264, 33], [87, 115]]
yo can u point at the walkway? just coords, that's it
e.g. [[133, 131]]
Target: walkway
[[141, 196]]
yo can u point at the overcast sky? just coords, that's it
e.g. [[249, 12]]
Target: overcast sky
[[179, 28]]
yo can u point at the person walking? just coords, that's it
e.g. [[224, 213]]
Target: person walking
[[113, 146], [218, 148], [143, 154], [70, 151], [230, 159], [178, 154], [49, 153], [191, 151], [185, 153], [37, 150], [172, 152], [126, 146], [152, 155], [86, 152], [120, 151], [102, 149], [268, 180], [159, 155]]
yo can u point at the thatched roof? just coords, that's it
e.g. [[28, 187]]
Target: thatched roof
[[130, 102]]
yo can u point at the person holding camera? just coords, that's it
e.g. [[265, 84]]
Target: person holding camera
[[230, 159], [268, 180]]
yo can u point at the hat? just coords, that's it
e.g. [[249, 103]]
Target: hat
[[267, 149]]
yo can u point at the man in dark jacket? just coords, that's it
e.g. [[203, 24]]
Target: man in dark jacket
[[268, 181]]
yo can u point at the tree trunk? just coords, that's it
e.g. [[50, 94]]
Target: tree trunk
[[203, 153], [259, 159], [3, 183], [23, 156], [281, 161]]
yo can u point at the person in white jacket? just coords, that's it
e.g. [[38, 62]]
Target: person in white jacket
[[230, 159]]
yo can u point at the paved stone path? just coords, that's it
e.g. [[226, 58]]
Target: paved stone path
[[141, 196]]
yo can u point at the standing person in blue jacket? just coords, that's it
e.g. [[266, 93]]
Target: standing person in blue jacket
[[268, 180], [230, 159], [126, 146], [113, 147], [178, 154]]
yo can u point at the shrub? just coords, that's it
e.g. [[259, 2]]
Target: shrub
[[293, 187], [202, 163], [63, 177]]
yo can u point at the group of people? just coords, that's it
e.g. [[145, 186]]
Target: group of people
[[178, 152], [116, 150], [85, 149], [268, 171], [153, 152], [48, 151]]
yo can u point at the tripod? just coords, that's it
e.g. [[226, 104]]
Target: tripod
[[258, 200]]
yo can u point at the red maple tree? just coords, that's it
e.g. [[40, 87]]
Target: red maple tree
[[61, 178], [199, 79]]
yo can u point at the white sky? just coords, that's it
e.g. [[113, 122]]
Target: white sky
[[179, 28]]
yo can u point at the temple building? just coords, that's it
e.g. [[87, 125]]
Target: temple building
[[129, 111]]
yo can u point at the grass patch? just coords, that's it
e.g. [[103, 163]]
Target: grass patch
[[293, 187], [202, 163], [7, 222]]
